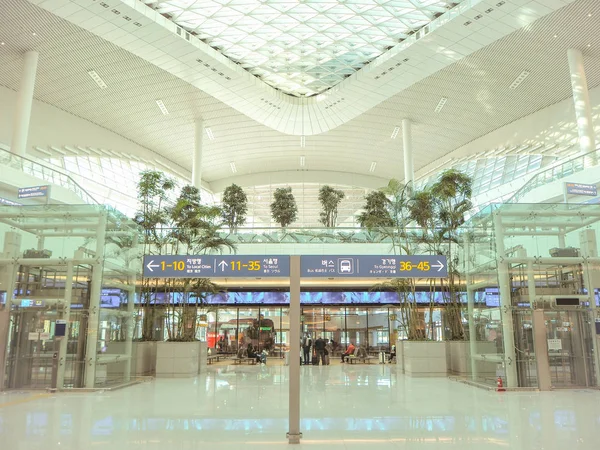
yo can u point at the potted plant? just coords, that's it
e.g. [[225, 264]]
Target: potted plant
[[330, 199], [284, 209], [235, 207]]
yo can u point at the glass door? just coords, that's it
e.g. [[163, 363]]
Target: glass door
[[570, 348]]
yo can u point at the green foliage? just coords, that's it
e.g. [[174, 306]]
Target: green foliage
[[284, 209], [376, 211], [235, 207], [330, 199]]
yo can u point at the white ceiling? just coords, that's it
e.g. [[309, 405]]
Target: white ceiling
[[479, 100], [301, 47]]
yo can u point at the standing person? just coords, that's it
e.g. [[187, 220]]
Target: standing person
[[320, 350], [349, 351], [392, 354], [306, 345]]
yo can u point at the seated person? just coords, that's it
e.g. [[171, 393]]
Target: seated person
[[349, 351], [252, 354]]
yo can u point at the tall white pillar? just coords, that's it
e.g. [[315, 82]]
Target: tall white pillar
[[409, 173], [294, 434], [506, 311], [91, 346], [197, 161], [23, 108], [581, 98]]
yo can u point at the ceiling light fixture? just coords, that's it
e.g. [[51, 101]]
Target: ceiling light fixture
[[515, 84], [233, 168], [441, 104], [1, 43], [99, 81], [373, 165], [395, 132], [162, 107], [302, 161], [302, 141], [210, 134]]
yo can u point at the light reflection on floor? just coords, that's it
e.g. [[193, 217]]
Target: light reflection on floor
[[360, 407]]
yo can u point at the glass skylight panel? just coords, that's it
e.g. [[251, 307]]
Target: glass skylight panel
[[302, 47]]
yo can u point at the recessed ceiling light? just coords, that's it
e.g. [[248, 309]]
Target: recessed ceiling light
[[1, 43], [395, 132], [515, 84], [99, 81], [441, 104], [302, 161], [373, 165], [162, 107], [555, 36], [590, 15], [302, 141], [210, 134], [34, 33], [589, 45], [233, 168]]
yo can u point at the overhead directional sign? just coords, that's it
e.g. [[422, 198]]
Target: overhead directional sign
[[370, 266], [208, 266], [582, 189], [34, 191]]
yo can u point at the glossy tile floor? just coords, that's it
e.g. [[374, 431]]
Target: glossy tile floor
[[343, 407]]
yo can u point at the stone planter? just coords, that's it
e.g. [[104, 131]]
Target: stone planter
[[458, 357], [202, 357], [177, 359], [143, 358], [422, 358]]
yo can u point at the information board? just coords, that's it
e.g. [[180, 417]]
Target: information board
[[209, 266], [371, 266], [582, 189], [34, 191]]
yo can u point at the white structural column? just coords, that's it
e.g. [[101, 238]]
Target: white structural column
[[91, 346], [24, 101], [581, 98], [506, 312], [197, 162], [62, 349], [294, 433], [130, 309], [409, 173]]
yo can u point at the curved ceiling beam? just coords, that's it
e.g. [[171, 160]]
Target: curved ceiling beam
[[300, 176], [145, 33]]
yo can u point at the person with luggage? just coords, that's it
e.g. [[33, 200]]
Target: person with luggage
[[320, 350], [392, 354], [306, 345], [349, 351]]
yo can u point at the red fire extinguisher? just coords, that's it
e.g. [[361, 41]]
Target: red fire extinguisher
[[500, 385]]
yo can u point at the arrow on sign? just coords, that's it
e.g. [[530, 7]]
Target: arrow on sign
[[439, 266], [150, 266], [222, 265]]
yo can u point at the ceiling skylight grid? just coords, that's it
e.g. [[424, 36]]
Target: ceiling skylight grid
[[302, 47]]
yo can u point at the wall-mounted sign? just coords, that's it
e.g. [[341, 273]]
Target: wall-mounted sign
[[554, 344], [34, 191], [582, 189], [209, 266], [7, 202], [370, 266]]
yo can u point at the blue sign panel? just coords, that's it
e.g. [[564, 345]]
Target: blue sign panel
[[582, 189], [5, 201], [370, 266], [34, 191], [208, 266]]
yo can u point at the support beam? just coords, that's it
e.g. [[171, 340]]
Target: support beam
[[94, 307], [409, 172], [506, 312], [197, 160], [62, 349], [583, 109], [294, 433], [20, 134]]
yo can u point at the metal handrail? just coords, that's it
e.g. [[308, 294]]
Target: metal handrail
[[45, 173]]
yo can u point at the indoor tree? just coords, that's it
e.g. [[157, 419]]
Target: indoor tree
[[284, 209], [235, 206], [376, 211], [330, 199]]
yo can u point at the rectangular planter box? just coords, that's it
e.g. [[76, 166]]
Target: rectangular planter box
[[177, 359], [143, 358], [422, 358], [458, 354]]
